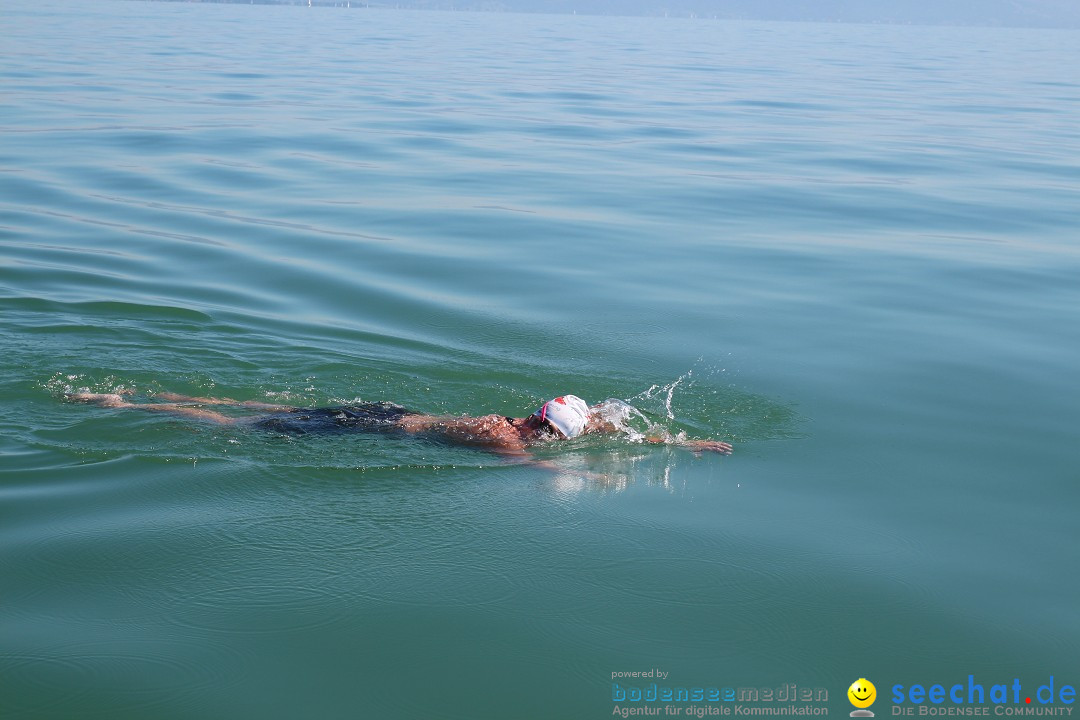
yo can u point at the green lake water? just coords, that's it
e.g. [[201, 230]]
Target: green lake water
[[851, 251]]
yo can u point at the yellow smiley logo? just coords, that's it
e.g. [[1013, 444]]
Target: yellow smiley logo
[[862, 693]]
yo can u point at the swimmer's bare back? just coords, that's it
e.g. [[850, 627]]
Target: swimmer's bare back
[[506, 436]]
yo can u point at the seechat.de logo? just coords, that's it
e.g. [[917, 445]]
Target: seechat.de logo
[[862, 695]]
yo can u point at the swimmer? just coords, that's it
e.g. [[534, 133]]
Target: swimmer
[[562, 418]]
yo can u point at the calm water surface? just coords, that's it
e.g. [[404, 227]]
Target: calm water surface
[[851, 251]]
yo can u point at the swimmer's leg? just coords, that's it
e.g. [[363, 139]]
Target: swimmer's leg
[[114, 400], [176, 398]]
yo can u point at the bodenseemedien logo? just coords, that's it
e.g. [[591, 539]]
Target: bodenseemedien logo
[[862, 695]]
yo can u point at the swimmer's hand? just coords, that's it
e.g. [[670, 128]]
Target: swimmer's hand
[[696, 446], [700, 446]]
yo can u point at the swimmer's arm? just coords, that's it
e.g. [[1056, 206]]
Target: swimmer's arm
[[600, 426], [523, 457], [697, 446]]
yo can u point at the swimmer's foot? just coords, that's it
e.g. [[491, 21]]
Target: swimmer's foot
[[109, 400]]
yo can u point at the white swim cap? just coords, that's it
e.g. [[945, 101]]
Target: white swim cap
[[567, 414]]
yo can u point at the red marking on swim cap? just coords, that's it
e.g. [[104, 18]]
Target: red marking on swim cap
[[561, 401]]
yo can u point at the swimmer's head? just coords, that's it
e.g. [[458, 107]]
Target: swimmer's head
[[567, 414]]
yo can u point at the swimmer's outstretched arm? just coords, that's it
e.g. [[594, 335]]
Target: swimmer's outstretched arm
[[697, 446], [600, 426]]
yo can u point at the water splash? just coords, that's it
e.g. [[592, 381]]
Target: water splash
[[703, 403], [667, 392], [632, 416], [61, 384], [627, 419]]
